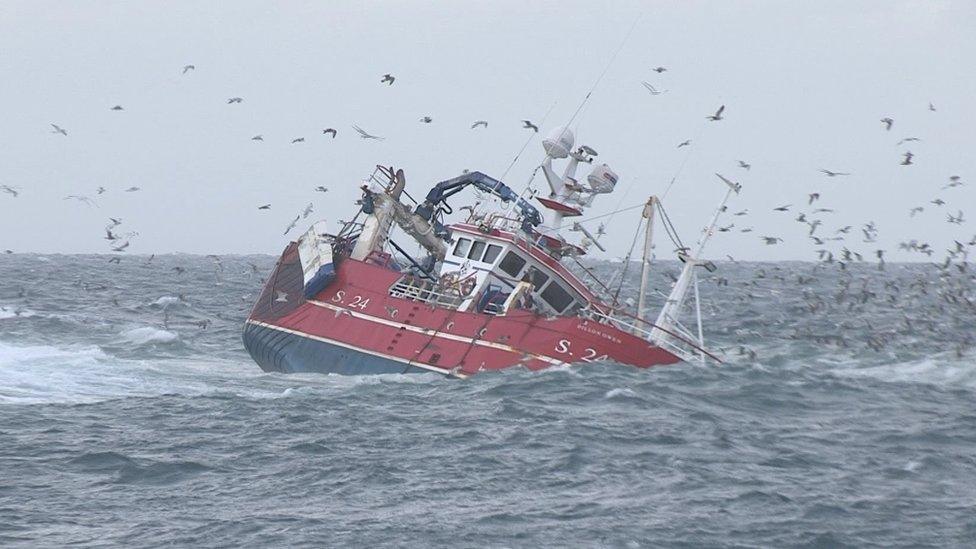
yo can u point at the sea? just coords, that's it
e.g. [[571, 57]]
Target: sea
[[843, 415]]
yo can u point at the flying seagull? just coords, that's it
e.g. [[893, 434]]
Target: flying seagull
[[684, 143], [659, 70], [771, 240], [908, 158], [887, 122], [363, 134], [307, 211], [330, 131], [258, 137], [298, 140], [483, 123], [785, 208], [813, 196], [235, 100], [530, 126], [80, 198], [321, 189], [265, 207], [100, 190], [426, 120], [652, 89], [132, 189], [833, 174], [388, 78], [718, 114], [293, 223], [907, 139], [931, 107], [59, 129], [187, 68], [744, 165], [118, 108], [9, 190]]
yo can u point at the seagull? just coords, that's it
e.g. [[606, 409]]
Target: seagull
[[59, 129], [915, 210], [293, 223], [743, 212], [100, 190], [482, 123], [235, 100], [363, 134], [931, 107], [388, 78], [9, 190], [330, 130], [281, 297], [530, 126], [736, 187], [80, 198], [684, 143], [957, 219], [121, 247], [265, 207], [785, 208], [298, 140], [307, 211], [744, 165], [659, 70], [258, 137], [954, 181], [718, 114], [887, 122], [938, 202], [813, 197], [907, 139], [823, 210], [771, 240], [118, 108], [187, 68], [426, 120], [651, 88], [321, 189], [115, 260], [132, 189], [908, 158], [833, 174]]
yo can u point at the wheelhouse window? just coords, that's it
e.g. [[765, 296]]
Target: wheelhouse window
[[539, 278], [556, 297], [492, 254], [512, 264], [461, 249], [476, 250]]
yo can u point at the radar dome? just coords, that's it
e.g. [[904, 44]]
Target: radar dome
[[602, 179], [559, 143]]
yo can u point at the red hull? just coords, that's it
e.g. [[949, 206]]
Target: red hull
[[356, 312]]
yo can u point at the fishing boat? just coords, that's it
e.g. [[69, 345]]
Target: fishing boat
[[401, 289]]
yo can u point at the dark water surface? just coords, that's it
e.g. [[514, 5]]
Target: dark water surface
[[123, 421]]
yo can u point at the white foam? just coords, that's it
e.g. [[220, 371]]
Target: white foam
[[15, 312], [620, 391], [166, 301], [148, 334], [941, 369]]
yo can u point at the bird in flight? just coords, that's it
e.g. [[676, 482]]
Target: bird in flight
[[321, 189], [652, 89], [235, 100], [80, 198], [483, 123], [957, 219], [813, 197], [100, 190], [298, 140], [118, 108], [59, 129], [684, 143], [908, 158], [265, 207], [907, 139], [718, 114], [833, 174], [931, 107], [785, 208], [132, 189], [258, 137], [744, 165], [188, 68], [330, 131], [388, 78], [426, 120], [364, 134], [528, 125], [9, 190], [915, 210], [293, 223], [888, 122], [954, 181], [659, 70], [771, 240], [308, 210]]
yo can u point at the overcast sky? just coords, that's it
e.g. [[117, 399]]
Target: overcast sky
[[805, 85]]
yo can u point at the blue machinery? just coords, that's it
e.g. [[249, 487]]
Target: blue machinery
[[436, 201]]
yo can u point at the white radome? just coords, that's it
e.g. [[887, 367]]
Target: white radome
[[559, 143], [602, 179]]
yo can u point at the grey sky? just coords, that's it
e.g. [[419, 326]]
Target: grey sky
[[805, 84]]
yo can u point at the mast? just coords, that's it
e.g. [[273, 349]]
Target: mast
[[648, 214]]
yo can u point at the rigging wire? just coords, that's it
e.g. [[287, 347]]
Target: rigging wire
[[623, 273]]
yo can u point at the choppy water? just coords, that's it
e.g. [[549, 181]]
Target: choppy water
[[123, 421]]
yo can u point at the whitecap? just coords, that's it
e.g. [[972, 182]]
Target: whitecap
[[148, 334]]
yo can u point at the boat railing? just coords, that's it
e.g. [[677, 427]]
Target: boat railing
[[426, 291], [677, 341]]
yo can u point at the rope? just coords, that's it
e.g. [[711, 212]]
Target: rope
[[623, 274]]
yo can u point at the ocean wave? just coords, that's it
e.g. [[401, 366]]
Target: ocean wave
[[148, 334], [7, 312]]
